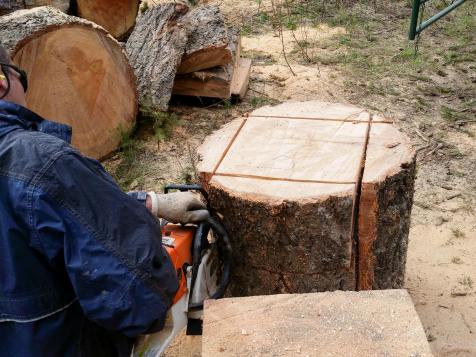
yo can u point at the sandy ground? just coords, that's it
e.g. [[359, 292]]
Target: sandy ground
[[441, 267]]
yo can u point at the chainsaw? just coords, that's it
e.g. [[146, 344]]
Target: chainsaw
[[201, 256]]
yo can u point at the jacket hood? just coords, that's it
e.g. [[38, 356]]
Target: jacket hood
[[14, 117]]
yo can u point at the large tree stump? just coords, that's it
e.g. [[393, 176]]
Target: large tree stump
[[155, 49], [7, 6], [116, 16], [315, 196], [78, 75], [209, 44]]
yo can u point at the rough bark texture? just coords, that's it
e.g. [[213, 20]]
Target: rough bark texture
[[7, 6], [208, 40], [284, 179], [155, 49], [78, 75], [116, 16], [287, 247], [19, 26]]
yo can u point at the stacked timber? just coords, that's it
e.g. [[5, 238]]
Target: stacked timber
[[78, 74], [175, 50], [212, 65], [315, 197]]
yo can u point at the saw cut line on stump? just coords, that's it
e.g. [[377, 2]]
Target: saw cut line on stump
[[79, 75], [289, 190]]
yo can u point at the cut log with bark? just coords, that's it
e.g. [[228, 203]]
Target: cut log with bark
[[208, 43], [217, 82], [79, 75], [155, 49], [315, 196], [116, 16], [8, 6]]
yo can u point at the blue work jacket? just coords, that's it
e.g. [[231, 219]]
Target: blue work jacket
[[82, 268]]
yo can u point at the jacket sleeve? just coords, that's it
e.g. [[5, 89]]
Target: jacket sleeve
[[108, 242]]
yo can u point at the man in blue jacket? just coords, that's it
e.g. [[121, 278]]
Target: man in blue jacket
[[82, 268]]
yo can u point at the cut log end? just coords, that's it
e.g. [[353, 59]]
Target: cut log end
[[78, 75], [116, 16], [285, 179]]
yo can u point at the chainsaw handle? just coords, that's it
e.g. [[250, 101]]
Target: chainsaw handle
[[185, 188], [220, 231]]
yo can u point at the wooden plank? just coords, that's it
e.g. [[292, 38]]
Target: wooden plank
[[369, 323], [241, 78], [213, 83]]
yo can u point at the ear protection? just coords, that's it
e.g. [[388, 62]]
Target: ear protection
[[2, 77]]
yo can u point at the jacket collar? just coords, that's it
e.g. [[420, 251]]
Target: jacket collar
[[14, 116]]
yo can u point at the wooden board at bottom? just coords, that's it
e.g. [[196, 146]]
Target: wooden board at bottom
[[367, 323]]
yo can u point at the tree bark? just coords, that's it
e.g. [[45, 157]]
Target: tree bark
[[287, 181], [116, 16], [209, 44], [155, 49], [8, 6], [78, 75]]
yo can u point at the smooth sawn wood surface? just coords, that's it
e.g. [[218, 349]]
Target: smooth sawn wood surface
[[78, 75], [116, 16], [335, 324]]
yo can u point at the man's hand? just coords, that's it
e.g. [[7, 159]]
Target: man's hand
[[179, 207]]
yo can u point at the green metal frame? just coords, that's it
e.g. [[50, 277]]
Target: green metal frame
[[416, 29]]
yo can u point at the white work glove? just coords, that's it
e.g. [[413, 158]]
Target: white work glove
[[179, 207]]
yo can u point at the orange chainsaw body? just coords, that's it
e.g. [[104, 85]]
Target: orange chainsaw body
[[177, 240]]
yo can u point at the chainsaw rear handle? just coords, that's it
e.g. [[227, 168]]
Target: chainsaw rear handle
[[221, 235]]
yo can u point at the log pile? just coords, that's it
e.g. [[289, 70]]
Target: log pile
[[175, 50], [95, 82], [315, 197], [212, 65]]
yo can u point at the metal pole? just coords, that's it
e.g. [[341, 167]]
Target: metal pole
[[439, 15], [414, 21]]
